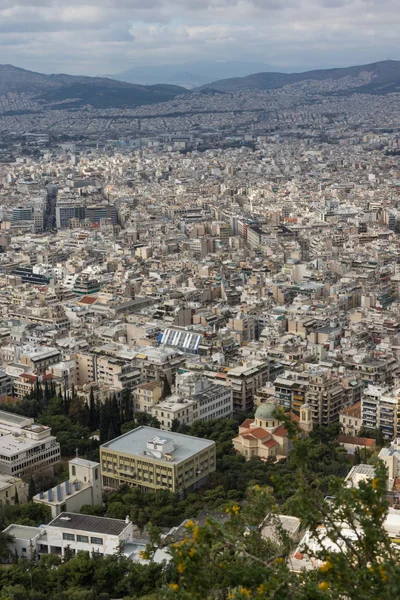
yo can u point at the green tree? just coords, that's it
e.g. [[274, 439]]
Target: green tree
[[175, 425], [92, 423], [166, 391], [31, 489], [233, 560], [105, 420], [126, 405]]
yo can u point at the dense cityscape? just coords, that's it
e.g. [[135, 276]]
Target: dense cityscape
[[190, 290]]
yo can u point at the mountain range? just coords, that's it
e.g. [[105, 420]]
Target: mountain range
[[27, 91], [379, 78], [77, 91], [190, 75]]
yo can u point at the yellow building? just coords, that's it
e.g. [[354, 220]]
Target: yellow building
[[147, 395], [9, 485], [142, 458]]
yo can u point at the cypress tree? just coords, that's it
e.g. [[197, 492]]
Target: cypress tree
[[104, 421], [166, 388], [31, 489], [92, 410], [115, 416]]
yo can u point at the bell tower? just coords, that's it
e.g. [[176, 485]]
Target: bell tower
[[306, 417]]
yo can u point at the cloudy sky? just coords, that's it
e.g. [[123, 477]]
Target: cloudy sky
[[107, 36]]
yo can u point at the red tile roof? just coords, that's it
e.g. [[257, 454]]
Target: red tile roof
[[247, 423], [353, 411], [280, 431], [29, 377], [257, 432], [88, 300], [356, 441], [270, 443], [292, 416]]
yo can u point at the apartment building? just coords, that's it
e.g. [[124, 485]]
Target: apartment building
[[290, 389], [142, 458], [6, 386], [147, 395], [379, 410], [39, 358], [25, 446], [245, 381], [85, 364], [326, 396], [213, 401], [175, 408], [376, 372], [116, 373], [155, 363], [24, 384], [244, 327], [350, 419]]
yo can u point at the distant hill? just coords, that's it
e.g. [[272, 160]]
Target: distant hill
[[376, 78], [76, 91], [190, 75]]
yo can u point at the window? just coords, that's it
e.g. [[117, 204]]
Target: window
[[73, 470], [69, 536], [82, 538], [96, 540], [96, 474]]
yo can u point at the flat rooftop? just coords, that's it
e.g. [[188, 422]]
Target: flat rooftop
[[89, 523], [23, 532], [11, 445], [135, 443], [8, 417]]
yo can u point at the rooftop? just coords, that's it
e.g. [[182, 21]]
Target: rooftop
[[23, 532], [135, 443], [11, 445], [12, 418], [352, 411], [89, 523]]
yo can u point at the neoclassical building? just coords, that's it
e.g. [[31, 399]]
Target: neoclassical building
[[265, 437]]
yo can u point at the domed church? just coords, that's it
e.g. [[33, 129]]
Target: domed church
[[265, 437]]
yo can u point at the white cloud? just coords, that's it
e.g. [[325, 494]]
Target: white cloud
[[97, 36]]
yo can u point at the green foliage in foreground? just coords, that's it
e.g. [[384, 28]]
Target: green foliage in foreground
[[231, 560], [221, 561]]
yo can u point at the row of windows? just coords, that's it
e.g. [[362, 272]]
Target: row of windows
[[41, 460], [70, 537], [215, 406]]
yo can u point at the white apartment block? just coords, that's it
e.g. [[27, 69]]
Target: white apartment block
[[379, 408], [196, 399], [185, 411], [25, 446]]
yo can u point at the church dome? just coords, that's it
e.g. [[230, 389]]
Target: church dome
[[266, 410]]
